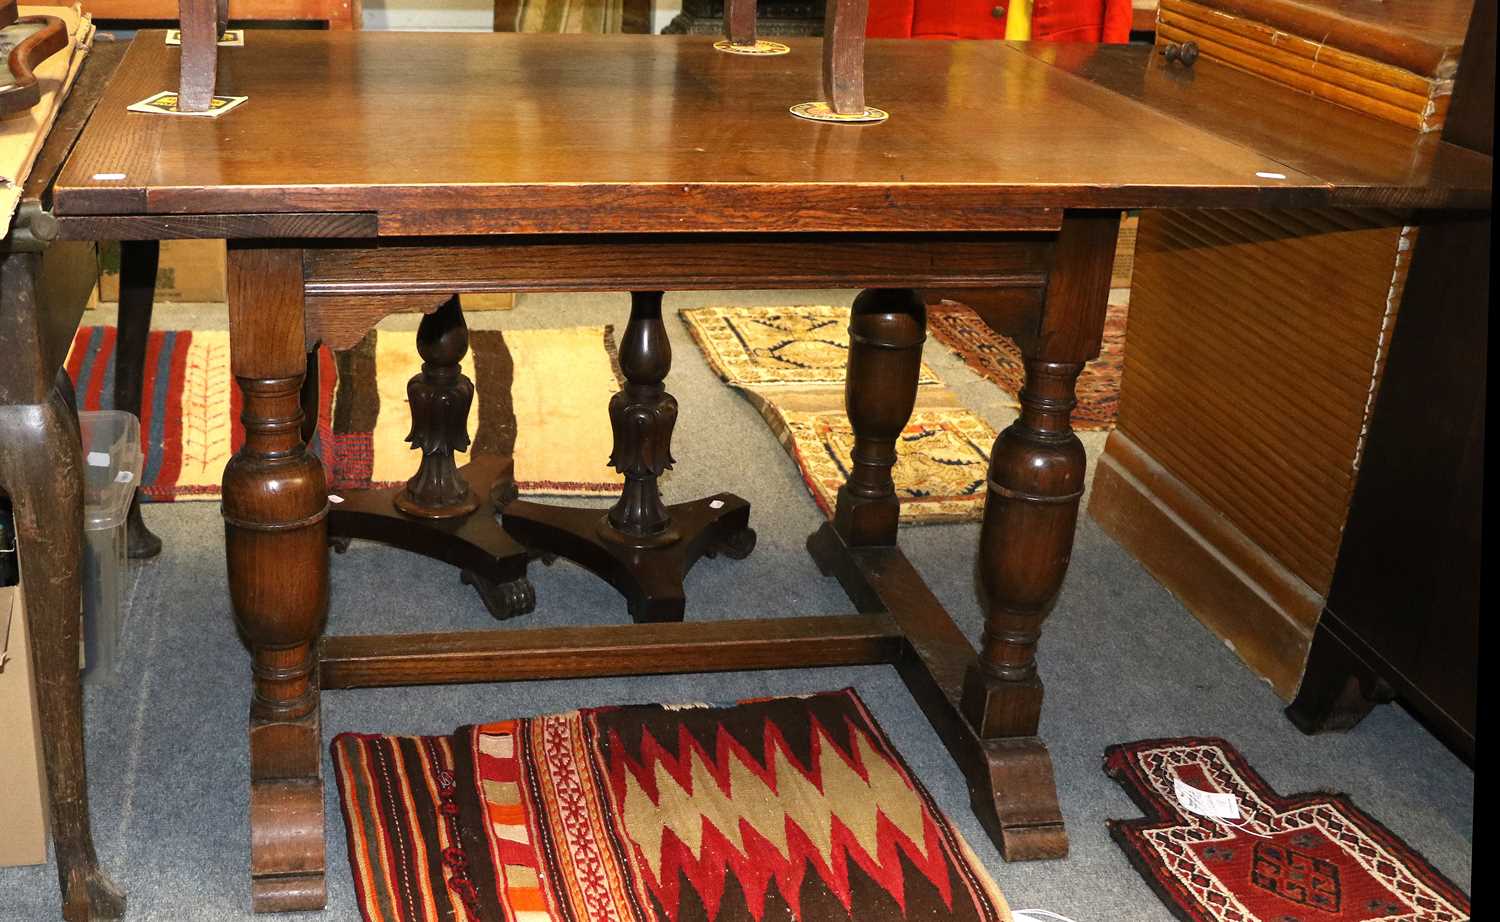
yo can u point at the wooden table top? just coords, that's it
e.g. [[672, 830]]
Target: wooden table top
[[457, 133]]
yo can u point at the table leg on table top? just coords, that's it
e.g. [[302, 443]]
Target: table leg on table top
[[276, 547]]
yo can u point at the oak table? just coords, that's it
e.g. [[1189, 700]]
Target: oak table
[[374, 172]]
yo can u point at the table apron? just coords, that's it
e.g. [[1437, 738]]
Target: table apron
[[687, 262]]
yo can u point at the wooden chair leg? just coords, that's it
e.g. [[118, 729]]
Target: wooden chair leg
[[276, 548], [202, 22], [41, 468], [138, 263], [739, 22]]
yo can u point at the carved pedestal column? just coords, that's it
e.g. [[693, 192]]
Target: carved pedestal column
[[643, 547], [444, 511], [440, 396], [641, 416]]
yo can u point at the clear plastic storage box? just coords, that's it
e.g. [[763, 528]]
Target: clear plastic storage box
[[111, 468]]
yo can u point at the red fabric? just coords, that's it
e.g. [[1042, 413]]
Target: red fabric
[[1051, 20], [1304, 857]]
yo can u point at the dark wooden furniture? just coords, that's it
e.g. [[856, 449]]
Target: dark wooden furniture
[[773, 17], [651, 187], [1403, 613], [44, 286], [1204, 492]]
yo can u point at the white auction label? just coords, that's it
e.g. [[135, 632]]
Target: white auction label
[[1206, 803], [98, 459]]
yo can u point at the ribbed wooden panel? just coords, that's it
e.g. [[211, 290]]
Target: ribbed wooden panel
[[1256, 340], [1309, 63]]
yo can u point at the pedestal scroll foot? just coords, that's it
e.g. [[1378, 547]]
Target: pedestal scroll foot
[[504, 600]]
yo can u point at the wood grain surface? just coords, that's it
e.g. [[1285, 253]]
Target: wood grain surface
[[1318, 63], [1423, 36], [1369, 161], [549, 133], [1256, 342]]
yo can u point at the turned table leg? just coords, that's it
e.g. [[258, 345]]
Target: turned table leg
[[1036, 477], [276, 547], [138, 263], [886, 330]]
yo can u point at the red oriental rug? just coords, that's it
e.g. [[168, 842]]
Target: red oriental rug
[[774, 809], [998, 358], [1307, 858]]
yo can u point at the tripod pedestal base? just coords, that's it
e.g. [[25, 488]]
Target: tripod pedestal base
[[490, 560], [648, 572]]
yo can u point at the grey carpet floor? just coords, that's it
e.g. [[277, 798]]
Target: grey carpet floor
[[1122, 660]]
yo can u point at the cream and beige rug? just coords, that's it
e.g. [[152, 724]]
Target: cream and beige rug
[[789, 362]]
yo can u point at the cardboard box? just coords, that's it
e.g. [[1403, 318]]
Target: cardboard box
[[189, 271], [23, 780]]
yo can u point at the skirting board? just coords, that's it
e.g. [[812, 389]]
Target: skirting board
[[1261, 610]]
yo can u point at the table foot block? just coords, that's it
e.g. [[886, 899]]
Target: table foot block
[[295, 893], [91, 896], [1015, 798], [1010, 778], [286, 845], [648, 573]]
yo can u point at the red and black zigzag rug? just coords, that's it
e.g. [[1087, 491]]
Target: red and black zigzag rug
[[773, 810], [1306, 858]]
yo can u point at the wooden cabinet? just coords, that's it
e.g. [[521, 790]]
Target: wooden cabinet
[[1403, 613], [1239, 449]]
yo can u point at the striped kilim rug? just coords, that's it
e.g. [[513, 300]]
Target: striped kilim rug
[[776, 809], [191, 408], [1306, 857], [998, 358], [789, 362]]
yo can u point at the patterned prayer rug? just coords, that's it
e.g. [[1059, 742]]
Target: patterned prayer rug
[[191, 409], [1306, 858], [774, 809], [998, 358], [789, 362]]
